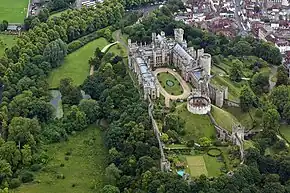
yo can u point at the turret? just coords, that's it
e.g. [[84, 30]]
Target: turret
[[205, 63], [178, 35]]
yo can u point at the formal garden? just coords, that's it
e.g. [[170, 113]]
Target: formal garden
[[170, 83]]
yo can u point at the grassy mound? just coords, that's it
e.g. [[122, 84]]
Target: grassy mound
[[224, 118]]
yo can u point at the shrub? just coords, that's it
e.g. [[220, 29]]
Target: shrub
[[60, 176], [66, 158], [14, 183], [73, 185], [68, 153], [214, 152], [62, 165], [35, 167], [26, 177]]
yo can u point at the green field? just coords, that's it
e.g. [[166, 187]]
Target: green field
[[8, 41], [58, 14], [196, 126], [84, 168], [76, 64], [213, 166], [285, 131], [13, 12], [224, 118], [175, 88], [196, 165]]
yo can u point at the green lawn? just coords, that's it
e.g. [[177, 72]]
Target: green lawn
[[8, 40], [285, 131], [76, 64], [213, 166], [84, 168], [165, 79], [223, 118], [244, 117], [196, 165], [13, 12], [196, 126], [58, 14]]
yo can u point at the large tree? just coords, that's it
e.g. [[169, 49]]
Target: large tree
[[247, 98], [55, 52], [260, 83]]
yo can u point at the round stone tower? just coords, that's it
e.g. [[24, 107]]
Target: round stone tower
[[178, 35], [205, 62]]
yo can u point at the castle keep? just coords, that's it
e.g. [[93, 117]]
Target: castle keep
[[194, 67]]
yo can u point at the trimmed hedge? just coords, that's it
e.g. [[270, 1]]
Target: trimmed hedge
[[214, 152]]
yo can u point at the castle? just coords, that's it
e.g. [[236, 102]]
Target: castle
[[194, 66]]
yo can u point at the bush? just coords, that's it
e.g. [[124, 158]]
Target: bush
[[26, 177], [35, 167], [214, 152], [14, 183], [74, 46], [60, 176], [66, 158], [62, 165]]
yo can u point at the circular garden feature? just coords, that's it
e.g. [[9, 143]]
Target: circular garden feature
[[214, 152], [170, 84]]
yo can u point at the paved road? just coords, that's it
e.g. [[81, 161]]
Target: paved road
[[186, 89]]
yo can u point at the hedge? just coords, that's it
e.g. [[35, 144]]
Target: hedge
[[214, 152]]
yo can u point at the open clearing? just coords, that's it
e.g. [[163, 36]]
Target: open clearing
[[85, 167], [13, 11], [76, 64], [8, 40], [213, 166], [170, 83], [196, 165], [224, 118], [196, 126], [285, 131]]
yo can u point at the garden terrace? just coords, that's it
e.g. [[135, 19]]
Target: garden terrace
[[170, 83]]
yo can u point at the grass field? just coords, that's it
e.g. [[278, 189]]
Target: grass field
[[175, 89], [13, 12], [196, 126], [212, 165], [58, 14], [8, 40], [84, 168], [76, 64], [223, 118], [196, 165], [285, 131]]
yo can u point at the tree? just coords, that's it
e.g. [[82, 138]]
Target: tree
[[24, 131], [174, 122], [164, 137], [26, 154], [110, 189], [91, 108], [247, 98], [145, 163], [271, 119], [70, 94], [5, 170], [280, 96], [204, 142], [242, 48], [112, 174], [260, 83], [236, 72], [55, 52], [74, 120], [282, 76], [10, 152]]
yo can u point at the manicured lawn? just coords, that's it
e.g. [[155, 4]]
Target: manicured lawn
[[13, 11], [170, 83], [85, 167], [285, 131], [213, 166], [76, 64], [196, 126], [8, 40], [196, 165], [223, 118], [58, 14]]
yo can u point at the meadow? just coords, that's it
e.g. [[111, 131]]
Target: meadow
[[13, 12], [83, 170], [76, 64], [8, 41]]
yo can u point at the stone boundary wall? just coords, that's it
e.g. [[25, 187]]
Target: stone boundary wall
[[223, 133], [231, 103]]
